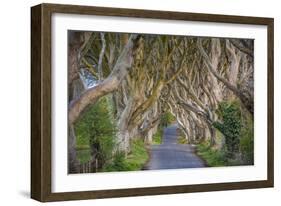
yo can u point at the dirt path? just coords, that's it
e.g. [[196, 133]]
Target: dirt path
[[171, 155]]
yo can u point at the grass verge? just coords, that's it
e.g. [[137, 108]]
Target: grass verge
[[213, 157], [182, 140], [157, 137], [133, 162]]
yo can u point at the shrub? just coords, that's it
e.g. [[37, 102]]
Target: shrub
[[247, 140], [230, 126], [96, 128], [236, 126], [83, 155], [118, 163]]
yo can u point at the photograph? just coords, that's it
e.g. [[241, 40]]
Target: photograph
[[140, 102], [134, 102]]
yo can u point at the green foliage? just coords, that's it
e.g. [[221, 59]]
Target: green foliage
[[213, 157], [134, 161], [247, 141], [182, 140], [237, 128], [157, 137], [82, 147], [96, 129], [83, 155], [230, 126], [138, 156], [220, 140], [118, 163], [166, 119]]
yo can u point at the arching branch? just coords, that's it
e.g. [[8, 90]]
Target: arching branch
[[110, 84], [248, 102], [242, 47]]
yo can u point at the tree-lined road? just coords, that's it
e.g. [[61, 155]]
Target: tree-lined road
[[171, 155], [145, 77]]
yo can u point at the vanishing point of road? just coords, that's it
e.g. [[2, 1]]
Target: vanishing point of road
[[172, 155]]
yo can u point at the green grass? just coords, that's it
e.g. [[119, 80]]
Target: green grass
[[157, 137], [213, 157], [133, 162], [139, 155], [83, 155], [182, 140]]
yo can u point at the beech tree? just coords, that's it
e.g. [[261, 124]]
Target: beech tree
[[146, 75], [105, 86], [235, 58]]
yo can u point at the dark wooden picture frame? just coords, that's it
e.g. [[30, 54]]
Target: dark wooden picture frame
[[41, 101]]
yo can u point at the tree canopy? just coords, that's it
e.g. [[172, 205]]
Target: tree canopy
[[147, 75]]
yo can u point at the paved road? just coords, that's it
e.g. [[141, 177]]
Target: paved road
[[171, 155]]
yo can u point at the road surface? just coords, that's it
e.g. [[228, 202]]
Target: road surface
[[171, 155]]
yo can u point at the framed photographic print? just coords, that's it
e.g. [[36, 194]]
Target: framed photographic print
[[132, 102]]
